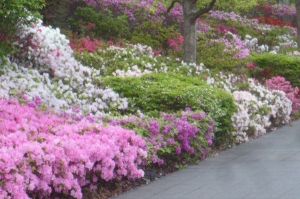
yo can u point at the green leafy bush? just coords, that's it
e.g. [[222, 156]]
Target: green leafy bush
[[105, 24], [268, 65], [154, 34], [154, 93], [212, 55], [14, 13]]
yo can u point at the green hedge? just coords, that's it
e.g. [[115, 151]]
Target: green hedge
[[287, 66], [153, 93]]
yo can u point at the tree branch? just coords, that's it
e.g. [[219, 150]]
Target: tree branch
[[173, 3], [204, 10]]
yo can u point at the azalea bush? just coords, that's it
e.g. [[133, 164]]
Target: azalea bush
[[173, 138], [55, 75], [98, 104], [258, 108], [154, 93], [292, 93], [42, 153]]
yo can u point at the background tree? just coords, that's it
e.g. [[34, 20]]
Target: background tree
[[13, 13], [193, 9]]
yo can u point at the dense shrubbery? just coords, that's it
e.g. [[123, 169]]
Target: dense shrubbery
[[175, 138], [269, 65], [107, 90], [87, 21], [292, 93], [154, 93], [13, 15], [42, 153]]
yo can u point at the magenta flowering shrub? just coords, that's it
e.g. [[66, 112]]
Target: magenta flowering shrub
[[292, 93], [173, 137], [176, 43], [42, 153], [234, 45]]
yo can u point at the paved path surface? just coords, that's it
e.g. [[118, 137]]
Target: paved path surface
[[265, 168]]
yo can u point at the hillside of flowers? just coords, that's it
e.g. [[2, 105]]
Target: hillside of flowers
[[97, 93]]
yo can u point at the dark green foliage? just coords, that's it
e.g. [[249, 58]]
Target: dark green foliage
[[107, 25], [154, 93], [13, 13], [269, 65], [154, 34]]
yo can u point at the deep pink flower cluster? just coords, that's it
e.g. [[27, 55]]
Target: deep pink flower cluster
[[176, 43], [181, 134], [224, 29], [86, 43], [42, 153], [292, 93]]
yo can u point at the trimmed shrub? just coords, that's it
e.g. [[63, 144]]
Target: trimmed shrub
[[154, 93], [268, 65]]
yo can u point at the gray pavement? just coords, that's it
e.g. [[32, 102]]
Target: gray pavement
[[265, 168]]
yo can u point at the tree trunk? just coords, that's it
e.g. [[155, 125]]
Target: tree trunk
[[298, 22], [189, 33]]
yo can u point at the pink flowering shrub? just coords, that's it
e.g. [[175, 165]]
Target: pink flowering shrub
[[85, 44], [178, 137], [234, 45], [176, 43], [292, 93], [42, 153]]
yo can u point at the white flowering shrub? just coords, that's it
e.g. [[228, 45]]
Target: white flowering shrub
[[72, 83], [258, 107]]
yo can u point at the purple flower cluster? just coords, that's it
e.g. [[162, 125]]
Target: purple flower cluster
[[185, 134]]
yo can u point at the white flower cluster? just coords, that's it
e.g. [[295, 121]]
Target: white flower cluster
[[257, 106], [134, 71], [283, 41], [72, 85], [252, 44]]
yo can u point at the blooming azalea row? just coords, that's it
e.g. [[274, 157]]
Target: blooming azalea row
[[258, 107], [42, 153], [48, 54], [186, 133], [73, 146]]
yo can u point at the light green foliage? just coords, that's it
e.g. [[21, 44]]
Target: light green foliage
[[153, 93], [13, 13]]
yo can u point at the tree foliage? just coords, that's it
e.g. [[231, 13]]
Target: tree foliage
[[13, 13]]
